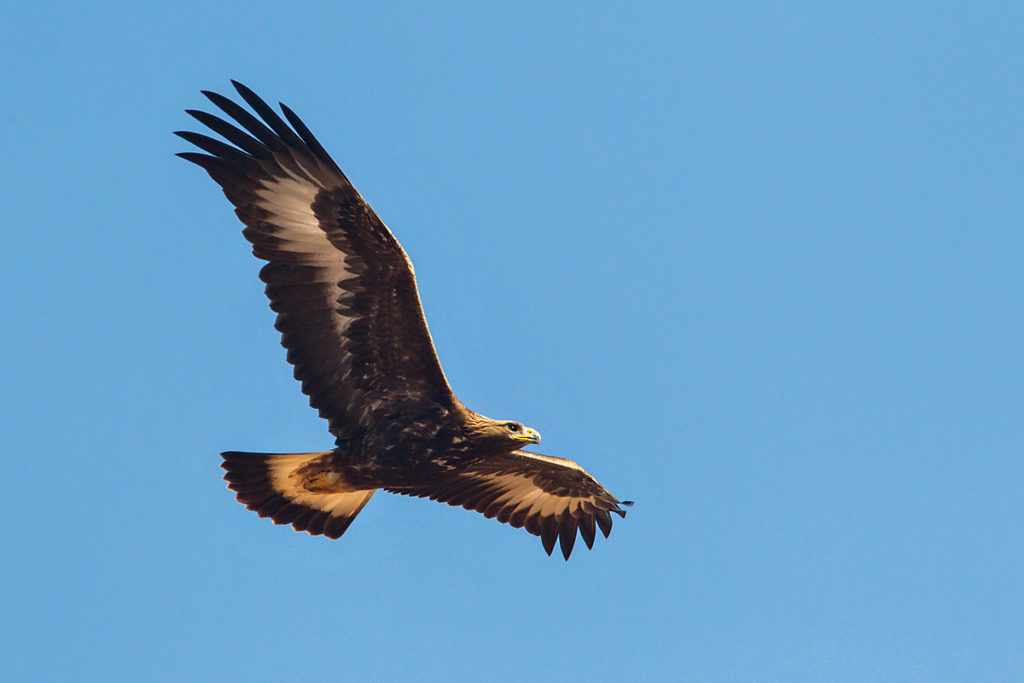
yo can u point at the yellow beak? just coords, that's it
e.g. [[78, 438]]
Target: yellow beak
[[529, 436]]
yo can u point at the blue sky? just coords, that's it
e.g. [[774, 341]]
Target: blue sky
[[756, 267]]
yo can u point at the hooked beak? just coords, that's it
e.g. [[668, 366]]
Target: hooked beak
[[530, 436]]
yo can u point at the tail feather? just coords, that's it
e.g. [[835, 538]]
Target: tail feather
[[290, 489]]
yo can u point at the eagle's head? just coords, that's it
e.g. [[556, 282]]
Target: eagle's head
[[501, 435]]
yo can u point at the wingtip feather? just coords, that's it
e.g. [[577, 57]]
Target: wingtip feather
[[567, 535]]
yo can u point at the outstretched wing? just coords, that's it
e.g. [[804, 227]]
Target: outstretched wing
[[343, 288], [551, 497]]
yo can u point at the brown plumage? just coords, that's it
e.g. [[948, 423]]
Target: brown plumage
[[349, 314]]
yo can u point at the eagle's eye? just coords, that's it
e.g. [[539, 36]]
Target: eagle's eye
[[512, 427]]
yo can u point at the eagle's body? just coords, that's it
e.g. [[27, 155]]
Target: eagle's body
[[349, 314]]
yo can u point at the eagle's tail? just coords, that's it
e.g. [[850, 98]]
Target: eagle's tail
[[295, 488]]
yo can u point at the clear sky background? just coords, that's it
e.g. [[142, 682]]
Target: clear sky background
[[756, 267]]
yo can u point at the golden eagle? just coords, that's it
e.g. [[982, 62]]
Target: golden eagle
[[349, 314]]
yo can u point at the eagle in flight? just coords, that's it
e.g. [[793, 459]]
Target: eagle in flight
[[349, 315]]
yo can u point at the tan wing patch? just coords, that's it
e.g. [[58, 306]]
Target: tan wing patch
[[308, 482], [296, 489]]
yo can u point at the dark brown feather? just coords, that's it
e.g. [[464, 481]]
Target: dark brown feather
[[567, 534], [587, 530], [548, 533]]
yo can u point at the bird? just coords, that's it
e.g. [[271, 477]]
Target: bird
[[351, 320]]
